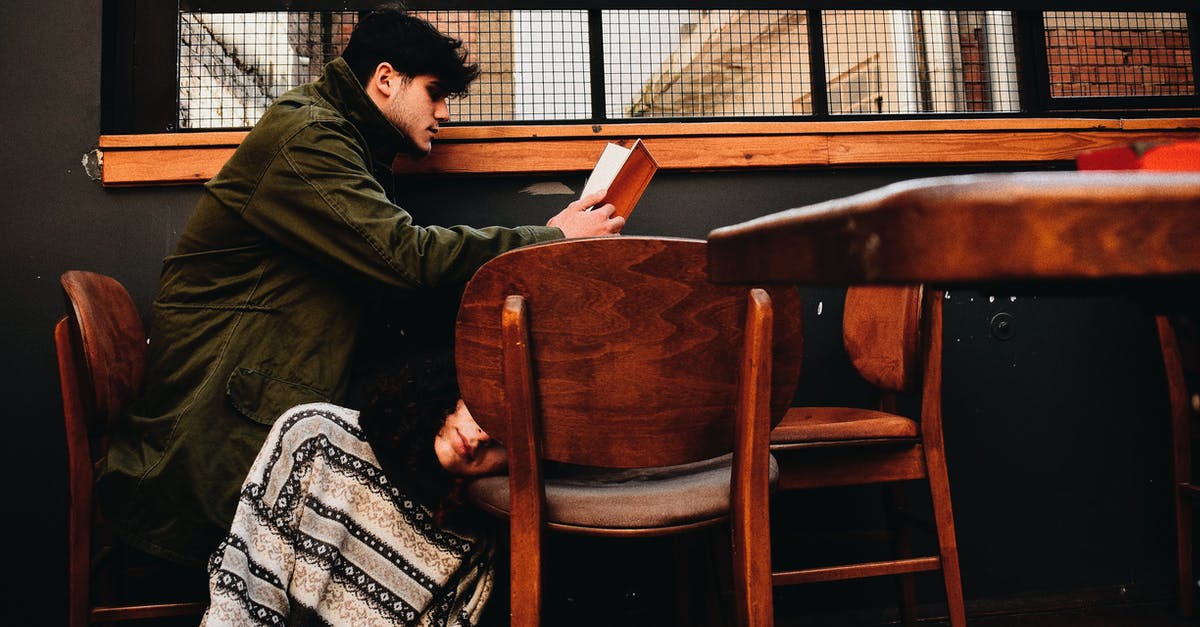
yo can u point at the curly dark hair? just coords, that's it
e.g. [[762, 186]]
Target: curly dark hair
[[403, 409], [412, 46]]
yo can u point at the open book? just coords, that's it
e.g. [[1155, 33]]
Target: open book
[[625, 172]]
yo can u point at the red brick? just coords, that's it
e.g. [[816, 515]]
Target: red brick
[[1150, 39], [1089, 74], [1175, 39], [1061, 75], [1139, 57], [1070, 38], [1170, 58], [1104, 56], [1116, 74], [1128, 89], [1175, 76], [1117, 38], [1071, 89]]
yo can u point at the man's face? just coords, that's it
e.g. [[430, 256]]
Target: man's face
[[416, 106]]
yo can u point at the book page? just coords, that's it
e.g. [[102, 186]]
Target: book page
[[607, 167]]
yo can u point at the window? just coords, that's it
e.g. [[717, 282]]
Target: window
[[233, 65], [588, 65], [1104, 55]]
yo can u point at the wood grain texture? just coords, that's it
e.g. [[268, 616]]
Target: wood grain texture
[[193, 158], [111, 344], [985, 227], [750, 481], [617, 352], [606, 316], [881, 333], [525, 467]]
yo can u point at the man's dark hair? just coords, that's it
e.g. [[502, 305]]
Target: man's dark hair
[[412, 46]]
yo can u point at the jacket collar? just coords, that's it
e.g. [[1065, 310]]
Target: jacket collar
[[341, 88]]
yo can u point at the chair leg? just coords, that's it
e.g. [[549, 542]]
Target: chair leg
[[943, 514], [1181, 457], [718, 591], [683, 547], [1183, 540], [496, 612], [703, 584], [894, 499], [525, 579]]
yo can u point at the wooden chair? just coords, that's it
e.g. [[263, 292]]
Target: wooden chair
[[893, 337], [101, 349], [1183, 417], [617, 353], [1181, 156]]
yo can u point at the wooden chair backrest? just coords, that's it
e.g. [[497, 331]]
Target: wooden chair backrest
[[635, 353], [881, 329], [101, 348], [109, 344]]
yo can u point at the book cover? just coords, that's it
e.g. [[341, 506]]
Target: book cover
[[625, 172]]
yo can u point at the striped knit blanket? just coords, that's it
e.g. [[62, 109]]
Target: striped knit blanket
[[322, 537]]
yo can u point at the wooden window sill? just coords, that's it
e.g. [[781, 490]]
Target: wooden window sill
[[193, 158]]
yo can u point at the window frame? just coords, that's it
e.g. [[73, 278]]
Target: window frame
[[143, 34], [193, 158], [141, 146]]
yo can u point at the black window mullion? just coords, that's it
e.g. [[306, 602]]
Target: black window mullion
[[596, 58], [1193, 22], [816, 65], [1033, 75], [141, 60]]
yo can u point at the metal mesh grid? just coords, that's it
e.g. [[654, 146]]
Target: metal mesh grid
[[910, 62], [1111, 53], [233, 65], [552, 70], [699, 63], [530, 68], [534, 65], [711, 63]]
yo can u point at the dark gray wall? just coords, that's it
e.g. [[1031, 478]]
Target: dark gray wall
[[1056, 438], [56, 218]]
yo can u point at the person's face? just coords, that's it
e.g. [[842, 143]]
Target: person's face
[[464, 449], [415, 106]]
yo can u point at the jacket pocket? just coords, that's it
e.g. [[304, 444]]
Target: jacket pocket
[[263, 397]]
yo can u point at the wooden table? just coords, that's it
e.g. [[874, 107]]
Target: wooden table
[[1015, 228], [1129, 230]]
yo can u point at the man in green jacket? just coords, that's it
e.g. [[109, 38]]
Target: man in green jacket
[[281, 278]]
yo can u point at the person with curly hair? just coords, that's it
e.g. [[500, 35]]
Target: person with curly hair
[[353, 518]]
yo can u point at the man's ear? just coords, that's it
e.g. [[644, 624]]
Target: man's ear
[[383, 83], [384, 79]]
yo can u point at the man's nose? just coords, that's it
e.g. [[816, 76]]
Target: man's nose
[[442, 113]]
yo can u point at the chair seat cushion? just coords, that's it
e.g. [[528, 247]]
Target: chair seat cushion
[[625, 499], [805, 425]]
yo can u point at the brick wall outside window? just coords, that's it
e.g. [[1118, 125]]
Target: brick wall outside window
[[1118, 54]]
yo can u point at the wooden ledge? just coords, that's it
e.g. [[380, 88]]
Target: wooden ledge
[[193, 158]]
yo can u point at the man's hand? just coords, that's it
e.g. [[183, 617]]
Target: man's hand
[[577, 221]]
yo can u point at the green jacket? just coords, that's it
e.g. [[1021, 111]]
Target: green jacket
[[291, 252]]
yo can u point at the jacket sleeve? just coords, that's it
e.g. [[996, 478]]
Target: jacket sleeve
[[323, 202]]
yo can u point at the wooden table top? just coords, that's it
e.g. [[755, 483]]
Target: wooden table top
[[1015, 227]]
